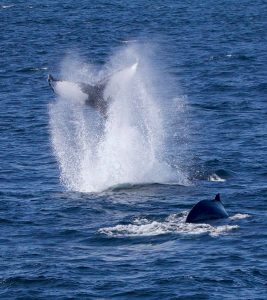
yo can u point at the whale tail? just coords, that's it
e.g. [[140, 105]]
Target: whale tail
[[51, 80], [94, 92]]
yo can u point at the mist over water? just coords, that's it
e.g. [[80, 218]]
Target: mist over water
[[130, 145]]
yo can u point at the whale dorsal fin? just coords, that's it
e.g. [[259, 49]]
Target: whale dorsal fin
[[217, 197]]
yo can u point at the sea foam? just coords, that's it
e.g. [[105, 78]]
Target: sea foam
[[173, 224]]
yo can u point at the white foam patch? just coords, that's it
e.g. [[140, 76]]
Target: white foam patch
[[130, 145], [37, 69], [215, 177], [239, 216], [7, 6], [173, 224]]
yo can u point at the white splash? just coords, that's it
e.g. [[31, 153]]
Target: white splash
[[239, 216], [172, 224], [215, 177], [129, 146]]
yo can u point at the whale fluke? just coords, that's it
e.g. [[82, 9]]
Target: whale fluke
[[93, 93], [207, 210]]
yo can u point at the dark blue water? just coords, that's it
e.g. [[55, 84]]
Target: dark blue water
[[131, 241]]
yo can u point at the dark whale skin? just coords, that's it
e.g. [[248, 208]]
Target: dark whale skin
[[207, 210], [95, 93]]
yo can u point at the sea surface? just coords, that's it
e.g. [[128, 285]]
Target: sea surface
[[93, 206]]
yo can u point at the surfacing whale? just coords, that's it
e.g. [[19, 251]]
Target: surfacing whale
[[207, 210]]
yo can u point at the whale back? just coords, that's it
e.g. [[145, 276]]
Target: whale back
[[206, 210]]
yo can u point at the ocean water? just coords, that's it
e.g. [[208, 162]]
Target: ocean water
[[94, 207]]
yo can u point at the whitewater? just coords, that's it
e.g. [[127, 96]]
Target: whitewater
[[128, 146]]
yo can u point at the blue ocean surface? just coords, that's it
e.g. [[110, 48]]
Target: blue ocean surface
[[93, 206]]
